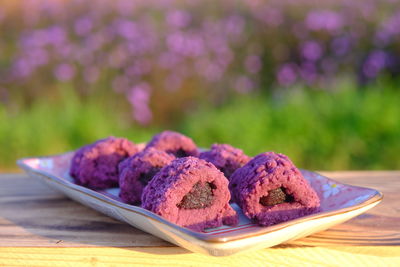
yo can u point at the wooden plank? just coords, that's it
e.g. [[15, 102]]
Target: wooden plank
[[176, 256], [379, 226], [34, 215]]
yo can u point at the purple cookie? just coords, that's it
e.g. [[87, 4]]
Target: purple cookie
[[96, 165], [192, 193], [270, 190], [225, 157], [138, 170], [174, 143]]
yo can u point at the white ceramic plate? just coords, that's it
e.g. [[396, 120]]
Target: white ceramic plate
[[339, 202]]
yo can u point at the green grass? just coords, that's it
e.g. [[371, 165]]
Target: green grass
[[346, 129]]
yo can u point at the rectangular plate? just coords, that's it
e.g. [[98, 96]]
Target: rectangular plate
[[339, 202]]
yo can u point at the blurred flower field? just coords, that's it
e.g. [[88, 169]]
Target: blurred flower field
[[319, 82]]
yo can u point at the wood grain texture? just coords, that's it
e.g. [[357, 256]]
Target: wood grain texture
[[41, 227], [378, 226], [176, 256], [33, 214]]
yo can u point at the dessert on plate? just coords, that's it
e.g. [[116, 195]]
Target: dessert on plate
[[174, 143], [96, 165], [192, 193], [225, 157], [270, 189], [138, 170], [172, 179]]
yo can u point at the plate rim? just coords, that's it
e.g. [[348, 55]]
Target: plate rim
[[375, 198]]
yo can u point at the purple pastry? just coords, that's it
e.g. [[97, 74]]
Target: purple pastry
[[174, 143], [225, 157], [138, 170], [192, 193], [270, 190], [96, 165]]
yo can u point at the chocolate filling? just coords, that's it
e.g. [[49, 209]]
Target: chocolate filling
[[227, 171], [275, 197], [180, 153], [145, 177], [200, 197]]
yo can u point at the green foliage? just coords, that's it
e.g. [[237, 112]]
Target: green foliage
[[344, 129], [54, 127]]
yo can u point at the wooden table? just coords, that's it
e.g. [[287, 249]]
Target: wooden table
[[41, 227]]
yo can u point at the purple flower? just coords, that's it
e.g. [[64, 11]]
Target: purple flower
[[392, 24], [194, 46], [83, 26], [168, 60], [94, 42], [38, 57], [127, 29], [139, 67], [56, 35], [234, 24], [382, 38], [308, 72], [117, 57], [311, 50], [178, 18], [224, 57], [253, 64], [172, 43], [125, 7], [140, 46], [64, 72], [176, 41], [139, 97], [270, 16], [286, 74], [22, 68], [324, 20], [244, 84], [211, 71], [65, 50], [52, 9], [36, 38], [340, 45], [374, 63], [84, 56]]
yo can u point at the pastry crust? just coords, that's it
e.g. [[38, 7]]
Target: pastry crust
[[165, 192], [174, 143], [226, 158], [96, 165], [274, 174], [138, 170]]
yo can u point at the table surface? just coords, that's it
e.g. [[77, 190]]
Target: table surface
[[41, 227]]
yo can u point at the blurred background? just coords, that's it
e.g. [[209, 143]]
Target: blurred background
[[316, 80]]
